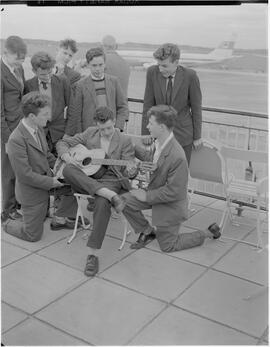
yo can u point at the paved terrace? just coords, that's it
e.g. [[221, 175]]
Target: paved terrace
[[140, 297]]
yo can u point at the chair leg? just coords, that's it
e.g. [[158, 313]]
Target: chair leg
[[260, 243], [126, 233]]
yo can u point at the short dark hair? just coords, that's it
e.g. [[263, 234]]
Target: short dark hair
[[16, 45], [167, 50], [42, 60], [94, 52], [69, 43], [103, 114], [32, 102], [164, 114]]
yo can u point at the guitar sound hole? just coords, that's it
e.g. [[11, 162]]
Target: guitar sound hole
[[86, 161]]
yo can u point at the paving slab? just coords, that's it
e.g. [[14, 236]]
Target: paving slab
[[246, 262], [11, 253], [102, 313], [35, 281], [10, 317], [75, 254], [48, 238], [177, 327], [222, 297], [154, 274], [32, 332], [207, 254]]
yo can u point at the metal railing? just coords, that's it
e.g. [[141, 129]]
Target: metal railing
[[248, 131]]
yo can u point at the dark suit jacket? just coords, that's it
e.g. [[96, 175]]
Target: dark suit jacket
[[84, 103], [31, 166], [120, 148], [167, 190], [11, 95], [186, 99], [71, 75], [60, 100]]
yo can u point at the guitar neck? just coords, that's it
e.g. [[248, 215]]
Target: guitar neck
[[110, 162]]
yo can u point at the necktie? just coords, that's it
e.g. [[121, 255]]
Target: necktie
[[169, 91], [18, 76], [44, 85]]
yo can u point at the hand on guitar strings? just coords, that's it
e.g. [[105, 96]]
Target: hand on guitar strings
[[66, 157]]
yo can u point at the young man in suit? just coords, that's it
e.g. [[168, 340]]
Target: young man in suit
[[97, 89], [171, 84], [109, 183], [166, 194], [32, 162], [12, 85], [66, 51], [57, 88], [116, 65]]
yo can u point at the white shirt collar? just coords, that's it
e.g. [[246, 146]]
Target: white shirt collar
[[30, 129], [7, 65], [161, 147], [97, 79]]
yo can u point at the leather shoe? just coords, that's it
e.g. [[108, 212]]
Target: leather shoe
[[69, 224], [215, 230], [118, 203], [15, 215], [92, 266], [143, 240]]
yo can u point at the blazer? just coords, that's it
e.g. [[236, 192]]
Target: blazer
[[71, 75], [186, 99], [84, 103], [120, 148], [167, 189], [11, 95], [60, 100], [31, 166]]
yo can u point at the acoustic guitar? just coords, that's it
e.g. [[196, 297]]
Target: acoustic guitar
[[93, 162]]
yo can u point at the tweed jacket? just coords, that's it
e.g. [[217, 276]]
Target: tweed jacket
[[31, 166], [60, 100], [120, 148], [167, 190], [186, 99], [84, 103], [11, 95]]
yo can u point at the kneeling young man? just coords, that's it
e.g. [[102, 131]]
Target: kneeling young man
[[167, 191], [108, 185], [32, 162]]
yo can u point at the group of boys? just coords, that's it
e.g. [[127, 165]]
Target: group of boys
[[61, 110]]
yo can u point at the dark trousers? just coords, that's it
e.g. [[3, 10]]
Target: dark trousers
[[9, 203], [83, 184], [168, 237], [32, 225], [188, 149]]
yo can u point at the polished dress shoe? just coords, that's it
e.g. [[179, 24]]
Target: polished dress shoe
[[118, 203], [143, 240], [68, 224], [92, 266], [215, 230]]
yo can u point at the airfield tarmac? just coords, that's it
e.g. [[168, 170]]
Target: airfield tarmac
[[221, 89]]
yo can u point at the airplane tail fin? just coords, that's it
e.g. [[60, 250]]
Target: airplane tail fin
[[224, 50]]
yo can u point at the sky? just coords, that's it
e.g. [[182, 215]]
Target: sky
[[204, 26]]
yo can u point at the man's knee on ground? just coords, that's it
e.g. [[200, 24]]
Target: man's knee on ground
[[166, 247]]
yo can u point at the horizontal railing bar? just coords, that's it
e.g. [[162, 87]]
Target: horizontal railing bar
[[218, 197], [219, 110], [235, 126]]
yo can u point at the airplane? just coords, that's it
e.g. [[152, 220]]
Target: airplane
[[146, 59]]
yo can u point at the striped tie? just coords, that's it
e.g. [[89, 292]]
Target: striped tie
[[169, 91]]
